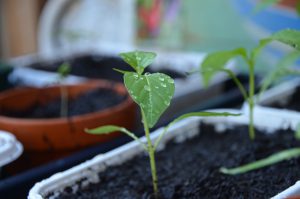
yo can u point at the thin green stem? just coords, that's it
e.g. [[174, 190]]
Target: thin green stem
[[130, 134], [63, 101], [270, 160], [237, 82], [251, 99], [151, 152]]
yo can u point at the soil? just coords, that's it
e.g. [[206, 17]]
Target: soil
[[88, 102], [190, 170], [292, 104], [98, 67]]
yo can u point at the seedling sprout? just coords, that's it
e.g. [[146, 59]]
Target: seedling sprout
[[215, 63], [63, 72], [153, 93]]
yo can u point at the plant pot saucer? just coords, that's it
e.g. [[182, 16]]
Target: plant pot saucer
[[10, 148]]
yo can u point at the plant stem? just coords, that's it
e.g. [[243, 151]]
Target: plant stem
[[237, 82], [251, 100], [270, 160], [151, 152], [63, 101]]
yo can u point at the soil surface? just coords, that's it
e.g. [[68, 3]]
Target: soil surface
[[292, 104], [88, 102], [98, 67], [190, 170]]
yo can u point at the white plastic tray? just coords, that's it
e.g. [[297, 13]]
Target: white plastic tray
[[182, 130]]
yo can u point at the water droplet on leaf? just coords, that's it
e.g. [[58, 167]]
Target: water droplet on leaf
[[147, 88], [163, 85], [161, 79]]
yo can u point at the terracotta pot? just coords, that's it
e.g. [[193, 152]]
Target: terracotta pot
[[63, 134]]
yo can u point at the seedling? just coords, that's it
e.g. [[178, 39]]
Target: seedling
[[215, 62], [63, 72], [153, 93]]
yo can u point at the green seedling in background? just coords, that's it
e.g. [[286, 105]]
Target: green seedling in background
[[153, 93], [63, 72], [215, 62], [272, 159]]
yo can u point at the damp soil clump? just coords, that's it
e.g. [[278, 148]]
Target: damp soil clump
[[191, 169]]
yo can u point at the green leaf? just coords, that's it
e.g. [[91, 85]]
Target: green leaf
[[216, 61], [281, 70], [297, 133], [138, 60], [112, 128], [193, 114], [152, 92], [272, 159], [203, 114], [64, 70], [104, 130], [288, 37]]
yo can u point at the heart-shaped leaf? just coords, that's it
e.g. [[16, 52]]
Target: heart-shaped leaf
[[215, 62], [138, 60], [152, 92]]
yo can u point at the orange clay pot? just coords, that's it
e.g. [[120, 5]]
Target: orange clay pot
[[63, 134]]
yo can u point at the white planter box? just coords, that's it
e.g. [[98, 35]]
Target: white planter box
[[279, 94], [180, 132]]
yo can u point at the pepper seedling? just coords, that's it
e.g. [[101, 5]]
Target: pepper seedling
[[153, 93], [63, 72], [216, 62]]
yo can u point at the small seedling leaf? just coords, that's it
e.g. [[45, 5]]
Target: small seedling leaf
[[272, 159], [204, 114], [152, 92], [193, 114], [281, 70], [104, 130], [138, 60], [215, 62], [288, 37], [64, 70], [112, 128]]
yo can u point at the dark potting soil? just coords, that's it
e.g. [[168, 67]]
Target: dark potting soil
[[99, 67], [190, 170], [292, 104], [92, 101]]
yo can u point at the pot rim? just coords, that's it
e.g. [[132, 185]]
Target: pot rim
[[107, 111]]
